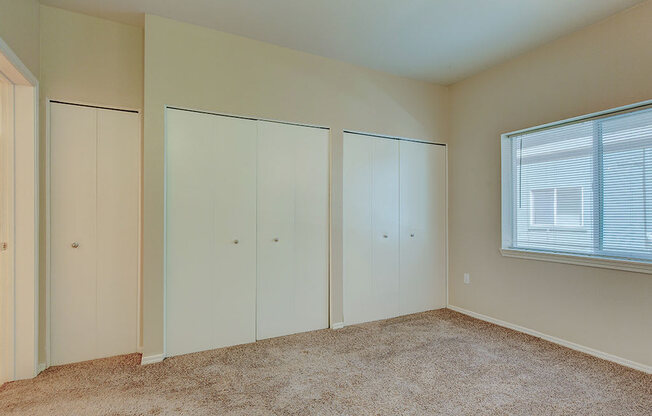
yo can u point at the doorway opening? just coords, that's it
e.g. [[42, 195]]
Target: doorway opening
[[6, 232], [18, 219]]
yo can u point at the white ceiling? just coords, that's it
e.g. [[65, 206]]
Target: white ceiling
[[441, 41]]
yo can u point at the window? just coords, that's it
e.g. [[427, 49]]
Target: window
[[556, 207], [581, 187]]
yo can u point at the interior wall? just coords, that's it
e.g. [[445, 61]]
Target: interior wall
[[603, 66], [19, 28], [88, 60], [198, 68], [91, 60]]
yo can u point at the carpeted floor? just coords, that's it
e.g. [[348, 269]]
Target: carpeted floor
[[438, 362]]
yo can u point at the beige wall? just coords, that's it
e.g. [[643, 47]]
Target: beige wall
[[19, 28], [603, 66], [89, 60], [189, 66]]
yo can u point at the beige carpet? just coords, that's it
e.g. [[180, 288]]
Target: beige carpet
[[438, 362]]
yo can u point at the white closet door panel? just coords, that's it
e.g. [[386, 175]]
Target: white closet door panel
[[211, 199], [312, 222], [118, 144], [292, 229], [190, 239], [423, 227], [73, 132], [234, 213], [359, 302], [276, 239], [385, 214], [371, 283]]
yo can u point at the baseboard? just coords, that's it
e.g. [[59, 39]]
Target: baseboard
[[568, 344], [337, 325], [151, 359]]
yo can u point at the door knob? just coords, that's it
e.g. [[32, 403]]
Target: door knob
[[276, 240], [75, 244], [236, 241], [412, 235], [385, 235]]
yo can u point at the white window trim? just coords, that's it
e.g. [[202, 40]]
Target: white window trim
[[554, 225], [508, 219], [578, 260]]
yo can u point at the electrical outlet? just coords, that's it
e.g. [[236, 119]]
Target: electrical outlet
[[467, 278]]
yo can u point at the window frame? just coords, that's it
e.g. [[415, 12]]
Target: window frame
[[508, 220], [555, 206]]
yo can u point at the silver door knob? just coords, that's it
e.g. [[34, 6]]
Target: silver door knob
[[276, 240], [75, 245], [236, 241], [385, 235]]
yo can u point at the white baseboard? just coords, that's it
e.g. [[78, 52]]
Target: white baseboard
[[337, 325], [151, 359], [568, 344]]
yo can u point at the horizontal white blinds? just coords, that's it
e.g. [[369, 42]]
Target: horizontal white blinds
[[585, 187]]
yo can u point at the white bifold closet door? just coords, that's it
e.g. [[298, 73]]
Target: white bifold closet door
[[94, 173], [246, 230], [371, 228], [210, 231], [394, 213], [423, 227], [293, 229]]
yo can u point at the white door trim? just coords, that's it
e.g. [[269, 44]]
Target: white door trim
[[7, 270], [139, 317], [447, 251], [26, 216]]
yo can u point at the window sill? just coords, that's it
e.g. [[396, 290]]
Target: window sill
[[578, 260]]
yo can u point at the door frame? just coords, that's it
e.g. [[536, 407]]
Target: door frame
[[24, 276], [7, 194], [161, 357], [48, 221]]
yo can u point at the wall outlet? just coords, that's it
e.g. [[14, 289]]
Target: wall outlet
[[467, 278]]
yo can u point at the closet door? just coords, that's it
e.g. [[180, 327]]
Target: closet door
[[73, 234], [118, 153], [423, 227], [371, 228], [210, 231], [94, 232], [293, 233]]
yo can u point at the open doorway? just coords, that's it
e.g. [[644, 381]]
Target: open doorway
[[6, 231], [18, 219]]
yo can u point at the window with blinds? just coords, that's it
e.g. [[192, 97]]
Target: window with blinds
[[582, 187]]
